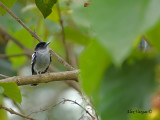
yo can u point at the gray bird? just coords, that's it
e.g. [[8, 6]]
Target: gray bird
[[41, 58]]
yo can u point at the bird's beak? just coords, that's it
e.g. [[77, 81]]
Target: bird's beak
[[48, 43]]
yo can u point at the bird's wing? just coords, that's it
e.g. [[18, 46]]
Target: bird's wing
[[33, 62], [48, 64]]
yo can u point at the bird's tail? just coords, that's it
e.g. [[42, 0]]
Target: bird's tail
[[34, 84]]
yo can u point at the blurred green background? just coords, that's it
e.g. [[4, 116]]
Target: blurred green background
[[115, 44]]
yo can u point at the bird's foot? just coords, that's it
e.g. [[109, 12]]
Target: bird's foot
[[39, 74]]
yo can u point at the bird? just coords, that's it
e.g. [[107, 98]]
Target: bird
[[41, 59]]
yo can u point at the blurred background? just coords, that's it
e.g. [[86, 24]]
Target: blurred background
[[115, 44]]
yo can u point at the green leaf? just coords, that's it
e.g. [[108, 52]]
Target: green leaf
[[93, 62], [1, 90], [117, 23], [153, 36], [125, 88], [45, 6], [7, 3], [12, 91]]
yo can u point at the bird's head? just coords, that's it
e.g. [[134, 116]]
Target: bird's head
[[42, 45]]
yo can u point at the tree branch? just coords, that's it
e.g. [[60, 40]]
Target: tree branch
[[16, 113], [43, 78], [61, 60], [3, 76]]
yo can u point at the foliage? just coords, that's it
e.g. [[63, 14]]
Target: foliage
[[45, 6], [11, 90], [123, 21], [120, 93], [104, 37]]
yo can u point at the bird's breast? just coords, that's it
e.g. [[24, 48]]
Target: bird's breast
[[42, 61]]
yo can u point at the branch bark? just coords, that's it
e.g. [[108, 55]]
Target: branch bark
[[43, 78], [3, 76], [16, 113]]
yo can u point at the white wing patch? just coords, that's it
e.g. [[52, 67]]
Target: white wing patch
[[33, 57]]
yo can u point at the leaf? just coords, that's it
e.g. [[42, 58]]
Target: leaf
[[7, 3], [45, 6], [12, 91], [125, 88], [153, 36], [93, 62], [117, 23], [1, 90]]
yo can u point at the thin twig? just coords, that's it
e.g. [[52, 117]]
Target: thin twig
[[16, 113], [63, 33], [4, 76], [14, 55], [48, 108], [44, 78], [63, 101], [69, 67]]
